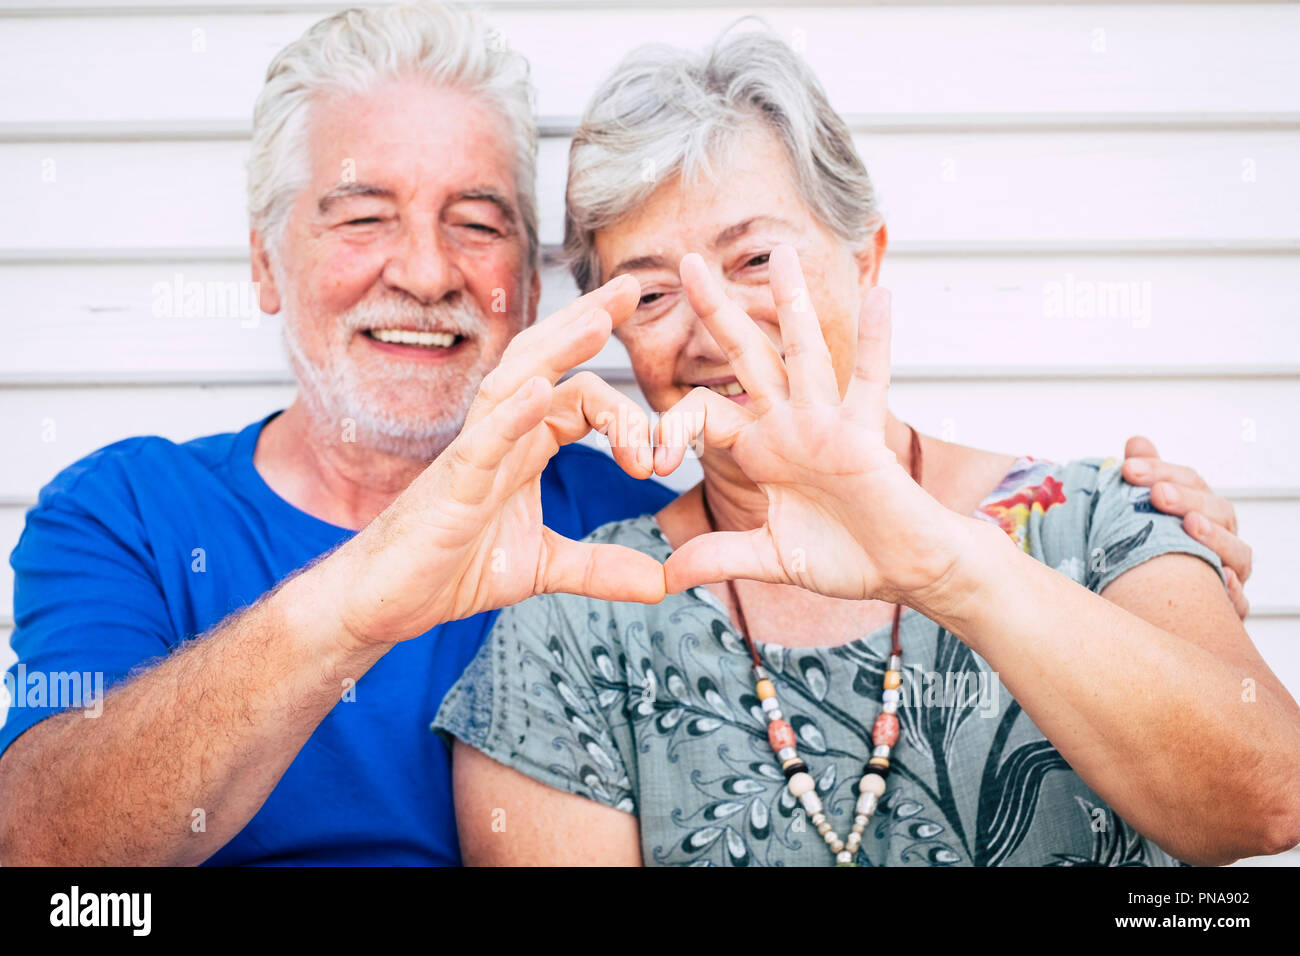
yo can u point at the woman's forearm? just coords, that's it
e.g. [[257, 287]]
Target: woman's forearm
[[1157, 725]]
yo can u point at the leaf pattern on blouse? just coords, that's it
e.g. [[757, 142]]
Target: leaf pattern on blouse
[[653, 711]]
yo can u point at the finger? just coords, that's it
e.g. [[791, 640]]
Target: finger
[[1139, 446], [606, 572], [1178, 500], [723, 556], [1146, 471], [1232, 551], [752, 355], [703, 415], [868, 394], [1237, 594], [587, 402], [474, 459], [807, 359], [569, 344]]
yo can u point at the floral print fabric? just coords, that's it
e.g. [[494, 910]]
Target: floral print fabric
[[652, 710]]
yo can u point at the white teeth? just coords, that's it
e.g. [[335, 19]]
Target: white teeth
[[439, 340], [729, 389]]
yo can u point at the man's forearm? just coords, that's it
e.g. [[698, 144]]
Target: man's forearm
[[210, 729]]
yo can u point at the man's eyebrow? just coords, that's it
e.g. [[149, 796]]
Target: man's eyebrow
[[506, 207], [347, 190], [732, 233]]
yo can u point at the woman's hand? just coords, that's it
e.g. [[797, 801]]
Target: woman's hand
[[843, 516], [467, 534]]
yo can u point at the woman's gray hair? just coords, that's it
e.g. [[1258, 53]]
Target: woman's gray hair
[[664, 111], [355, 49]]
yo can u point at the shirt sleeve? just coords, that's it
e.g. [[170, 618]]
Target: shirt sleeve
[[1126, 529], [541, 699], [88, 608]]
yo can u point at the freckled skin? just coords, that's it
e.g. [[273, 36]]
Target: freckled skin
[[670, 349]]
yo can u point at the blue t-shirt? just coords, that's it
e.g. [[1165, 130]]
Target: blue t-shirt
[[145, 543]]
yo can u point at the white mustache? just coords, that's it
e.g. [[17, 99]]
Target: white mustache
[[460, 317]]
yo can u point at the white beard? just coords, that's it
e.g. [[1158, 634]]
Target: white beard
[[338, 397]]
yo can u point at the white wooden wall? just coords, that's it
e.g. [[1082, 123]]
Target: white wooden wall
[[1020, 150]]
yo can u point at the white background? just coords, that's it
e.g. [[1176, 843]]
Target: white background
[[1017, 149]]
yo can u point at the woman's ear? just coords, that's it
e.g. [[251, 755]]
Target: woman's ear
[[268, 296], [869, 256]]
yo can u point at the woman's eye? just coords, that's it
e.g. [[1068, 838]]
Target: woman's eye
[[362, 222], [650, 297], [758, 260], [481, 227]]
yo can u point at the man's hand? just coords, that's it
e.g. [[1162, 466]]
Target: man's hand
[[1207, 517], [467, 535]]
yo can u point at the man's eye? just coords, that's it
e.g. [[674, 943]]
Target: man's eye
[[362, 222], [758, 260], [650, 297], [482, 227]]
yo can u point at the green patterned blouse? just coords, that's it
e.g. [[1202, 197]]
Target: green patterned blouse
[[652, 710]]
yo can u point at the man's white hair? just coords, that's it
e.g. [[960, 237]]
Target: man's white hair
[[355, 49]]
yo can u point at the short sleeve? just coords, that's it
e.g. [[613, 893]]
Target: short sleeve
[[543, 698], [88, 609], [1125, 529]]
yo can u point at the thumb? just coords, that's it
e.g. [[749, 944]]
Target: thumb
[[1139, 446]]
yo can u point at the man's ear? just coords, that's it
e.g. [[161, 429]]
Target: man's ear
[[268, 296], [869, 256], [534, 297]]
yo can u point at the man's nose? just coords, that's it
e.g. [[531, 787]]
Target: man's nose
[[422, 266]]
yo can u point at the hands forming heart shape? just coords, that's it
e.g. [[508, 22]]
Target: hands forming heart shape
[[844, 518]]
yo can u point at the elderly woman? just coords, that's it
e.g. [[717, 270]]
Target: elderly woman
[[878, 648]]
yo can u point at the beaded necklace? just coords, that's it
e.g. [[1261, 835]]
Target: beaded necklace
[[781, 736]]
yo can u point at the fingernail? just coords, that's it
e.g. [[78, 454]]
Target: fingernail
[[1138, 469], [1169, 493], [1198, 524]]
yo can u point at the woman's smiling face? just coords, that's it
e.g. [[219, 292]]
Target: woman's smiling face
[[733, 219]]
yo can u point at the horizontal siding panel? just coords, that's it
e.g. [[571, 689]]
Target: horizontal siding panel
[[922, 59], [933, 187], [1164, 312], [1240, 434]]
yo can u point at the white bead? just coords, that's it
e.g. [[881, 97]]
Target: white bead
[[774, 714], [770, 705], [895, 662], [830, 837], [800, 784], [811, 802], [890, 707], [844, 857], [786, 753], [837, 846], [872, 783], [855, 838], [890, 696], [881, 751], [861, 820], [866, 804]]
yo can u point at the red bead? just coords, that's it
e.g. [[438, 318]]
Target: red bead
[[885, 731], [780, 735]]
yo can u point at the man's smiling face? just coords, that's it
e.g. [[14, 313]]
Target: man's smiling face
[[401, 268]]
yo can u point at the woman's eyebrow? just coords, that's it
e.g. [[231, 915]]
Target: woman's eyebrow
[[732, 233], [639, 262]]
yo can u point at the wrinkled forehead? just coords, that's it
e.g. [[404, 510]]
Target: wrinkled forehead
[[410, 134], [747, 185]]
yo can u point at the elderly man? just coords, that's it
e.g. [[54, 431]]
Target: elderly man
[[338, 560]]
